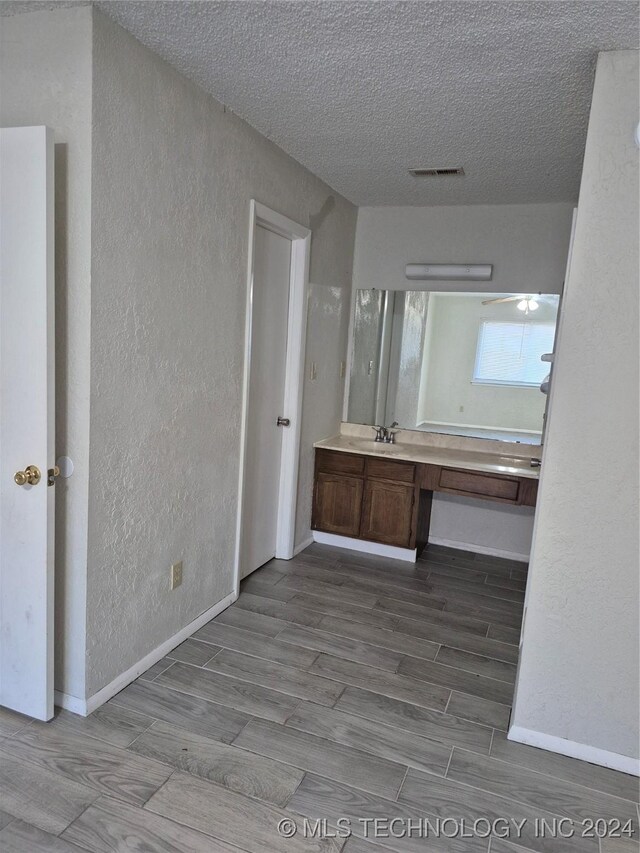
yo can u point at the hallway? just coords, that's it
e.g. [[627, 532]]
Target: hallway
[[338, 685]]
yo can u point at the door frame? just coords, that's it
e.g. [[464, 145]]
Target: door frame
[[260, 215]]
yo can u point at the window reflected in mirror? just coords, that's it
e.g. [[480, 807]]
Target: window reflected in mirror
[[458, 363]]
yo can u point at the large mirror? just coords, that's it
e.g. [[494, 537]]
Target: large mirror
[[458, 363]]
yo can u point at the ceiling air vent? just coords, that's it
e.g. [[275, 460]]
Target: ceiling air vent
[[440, 172]]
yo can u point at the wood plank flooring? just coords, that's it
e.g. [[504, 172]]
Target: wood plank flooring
[[339, 686]]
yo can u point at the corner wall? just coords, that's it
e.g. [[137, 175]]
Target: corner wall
[[173, 173], [577, 689]]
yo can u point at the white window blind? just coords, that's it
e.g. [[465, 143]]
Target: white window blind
[[509, 353]]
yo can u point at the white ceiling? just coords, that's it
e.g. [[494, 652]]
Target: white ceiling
[[360, 91]]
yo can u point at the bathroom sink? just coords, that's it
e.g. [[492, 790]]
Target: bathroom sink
[[368, 445]]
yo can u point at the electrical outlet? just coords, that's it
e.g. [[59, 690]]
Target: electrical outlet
[[313, 371], [343, 369], [176, 574]]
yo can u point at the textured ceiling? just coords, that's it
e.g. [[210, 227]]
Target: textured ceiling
[[360, 91]]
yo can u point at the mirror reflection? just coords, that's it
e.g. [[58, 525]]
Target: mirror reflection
[[458, 363]]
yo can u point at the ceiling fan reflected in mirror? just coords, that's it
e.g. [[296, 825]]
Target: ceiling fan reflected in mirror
[[525, 303]]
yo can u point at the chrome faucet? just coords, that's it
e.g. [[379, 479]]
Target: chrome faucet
[[385, 434]]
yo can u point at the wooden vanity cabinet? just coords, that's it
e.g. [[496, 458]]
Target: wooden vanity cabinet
[[365, 497], [389, 501]]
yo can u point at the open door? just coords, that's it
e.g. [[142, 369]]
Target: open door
[[26, 420]]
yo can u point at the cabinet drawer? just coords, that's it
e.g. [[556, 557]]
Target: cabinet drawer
[[469, 483], [335, 462], [383, 469]]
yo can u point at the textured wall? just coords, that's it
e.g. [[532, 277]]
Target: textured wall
[[46, 79], [173, 174], [582, 599]]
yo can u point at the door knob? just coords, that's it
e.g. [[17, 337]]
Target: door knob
[[30, 476], [283, 422]]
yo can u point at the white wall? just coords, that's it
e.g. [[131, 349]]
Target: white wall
[[484, 526], [46, 79], [527, 244], [578, 680], [173, 174]]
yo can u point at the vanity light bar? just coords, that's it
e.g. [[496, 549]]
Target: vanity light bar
[[449, 272]]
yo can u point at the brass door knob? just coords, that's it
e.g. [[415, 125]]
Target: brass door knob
[[30, 476]]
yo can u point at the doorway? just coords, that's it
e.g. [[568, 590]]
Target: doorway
[[272, 396]]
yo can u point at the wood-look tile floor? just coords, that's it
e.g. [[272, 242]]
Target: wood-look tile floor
[[338, 686]]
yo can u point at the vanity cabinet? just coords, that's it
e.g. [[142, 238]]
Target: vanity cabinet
[[364, 497], [389, 501]]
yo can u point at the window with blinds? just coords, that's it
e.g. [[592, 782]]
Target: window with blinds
[[509, 353]]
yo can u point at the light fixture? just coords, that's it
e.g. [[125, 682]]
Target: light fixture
[[449, 272], [528, 304]]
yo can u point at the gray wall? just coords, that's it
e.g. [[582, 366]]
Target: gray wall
[[46, 79], [173, 174], [526, 243], [578, 679]]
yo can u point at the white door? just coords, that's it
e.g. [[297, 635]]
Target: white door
[[271, 277], [26, 420]]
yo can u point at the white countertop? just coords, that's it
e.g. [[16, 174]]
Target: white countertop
[[472, 460]]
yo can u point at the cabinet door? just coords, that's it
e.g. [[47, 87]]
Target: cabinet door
[[337, 504], [387, 513]]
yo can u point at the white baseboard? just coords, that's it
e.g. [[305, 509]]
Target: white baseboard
[[84, 707], [592, 754], [70, 703], [479, 549], [407, 554], [308, 541]]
